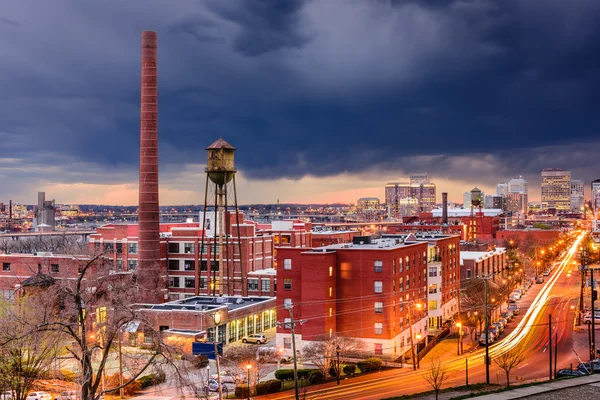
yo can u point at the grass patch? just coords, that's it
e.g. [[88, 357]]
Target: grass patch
[[479, 387], [504, 388]]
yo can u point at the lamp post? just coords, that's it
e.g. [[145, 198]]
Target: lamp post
[[248, 367], [217, 319], [338, 350], [418, 360], [459, 326]]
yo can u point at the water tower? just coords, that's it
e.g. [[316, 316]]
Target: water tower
[[476, 203], [217, 220]]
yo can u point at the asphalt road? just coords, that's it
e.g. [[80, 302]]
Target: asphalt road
[[528, 333]]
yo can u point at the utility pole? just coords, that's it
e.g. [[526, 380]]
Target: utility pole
[[555, 351], [593, 291], [121, 394], [487, 331], [412, 341], [459, 325], [293, 323], [467, 372], [550, 342]]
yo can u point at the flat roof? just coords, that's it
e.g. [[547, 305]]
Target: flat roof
[[208, 303]]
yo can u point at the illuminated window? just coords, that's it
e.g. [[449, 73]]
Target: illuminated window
[[378, 287], [330, 291], [330, 311], [433, 288], [330, 271], [287, 284], [433, 304]]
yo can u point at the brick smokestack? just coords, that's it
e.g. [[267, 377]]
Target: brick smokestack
[[444, 208], [149, 268]]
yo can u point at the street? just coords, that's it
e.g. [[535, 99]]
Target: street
[[555, 297]]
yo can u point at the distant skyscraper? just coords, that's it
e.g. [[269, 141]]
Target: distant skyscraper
[[502, 189], [418, 188], [556, 189], [595, 197], [517, 202], [577, 198], [517, 185], [44, 212]]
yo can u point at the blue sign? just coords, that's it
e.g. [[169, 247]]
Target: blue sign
[[206, 349]]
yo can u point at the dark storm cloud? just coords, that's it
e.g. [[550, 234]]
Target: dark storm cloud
[[265, 25], [314, 87]]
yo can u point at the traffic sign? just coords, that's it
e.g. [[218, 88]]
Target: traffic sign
[[587, 283]]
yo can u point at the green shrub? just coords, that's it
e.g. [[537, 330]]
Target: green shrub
[[332, 371], [284, 374], [349, 369], [304, 373], [370, 364], [241, 391], [152, 379], [315, 376], [271, 386]]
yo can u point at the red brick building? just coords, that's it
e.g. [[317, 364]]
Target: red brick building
[[474, 264], [17, 268], [326, 237], [364, 290], [540, 236]]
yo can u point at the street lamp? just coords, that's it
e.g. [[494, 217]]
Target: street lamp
[[248, 367], [337, 350], [216, 317]]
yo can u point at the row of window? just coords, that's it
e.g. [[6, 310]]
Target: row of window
[[54, 268], [190, 248], [190, 265], [265, 285]]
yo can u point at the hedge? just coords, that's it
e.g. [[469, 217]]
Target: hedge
[[349, 369], [370, 364], [288, 374], [152, 379], [270, 386], [315, 376], [241, 391]]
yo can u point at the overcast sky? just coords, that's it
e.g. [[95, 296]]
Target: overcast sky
[[325, 100]]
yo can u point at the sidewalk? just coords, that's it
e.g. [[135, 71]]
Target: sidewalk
[[543, 388]]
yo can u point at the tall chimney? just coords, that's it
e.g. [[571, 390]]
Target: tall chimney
[[149, 268], [444, 208], [10, 221]]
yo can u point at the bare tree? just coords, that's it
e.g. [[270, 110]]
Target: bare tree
[[436, 375], [27, 353], [323, 352], [91, 312], [509, 360], [236, 359]]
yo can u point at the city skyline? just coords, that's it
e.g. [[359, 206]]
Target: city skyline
[[298, 101]]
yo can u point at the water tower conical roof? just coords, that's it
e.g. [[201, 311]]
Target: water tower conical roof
[[220, 144]]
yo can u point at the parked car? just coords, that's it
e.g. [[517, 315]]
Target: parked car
[[587, 368], [499, 326], [547, 272], [507, 315], [519, 292], [513, 298], [561, 373], [587, 319], [257, 338], [503, 321], [494, 330], [39, 396], [539, 279], [514, 307], [213, 385], [228, 377], [68, 395], [491, 338], [6, 396]]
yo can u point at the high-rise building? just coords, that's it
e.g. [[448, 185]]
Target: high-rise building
[[367, 208], [44, 213], [517, 185], [517, 203], [408, 206], [556, 189], [502, 189], [595, 197], [577, 198], [418, 188]]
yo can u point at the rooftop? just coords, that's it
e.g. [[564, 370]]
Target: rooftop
[[208, 303]]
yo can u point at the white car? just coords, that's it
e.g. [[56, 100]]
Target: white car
[[68, 395], [39, 396], [259, 339], [227, 377]]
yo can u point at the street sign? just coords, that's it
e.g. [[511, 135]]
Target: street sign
[[587, 283]]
